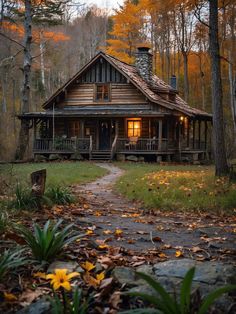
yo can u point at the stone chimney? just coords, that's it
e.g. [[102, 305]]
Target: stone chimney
[[143, 63]]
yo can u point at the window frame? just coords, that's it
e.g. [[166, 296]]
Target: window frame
[[140, 127], [96, 99]]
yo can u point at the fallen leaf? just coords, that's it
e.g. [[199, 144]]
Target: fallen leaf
[[162, 255], [157, 239], [118, 233], [9, 297], [115, 300], [40, 275], [107, 231], [88, 266], [196, 249], [179, 254]]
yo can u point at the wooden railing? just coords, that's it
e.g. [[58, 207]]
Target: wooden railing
[[61, 145], [142, 144]]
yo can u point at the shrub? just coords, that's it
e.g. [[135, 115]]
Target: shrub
[[10, 259], [59, 195], [24, 199], [47, 242], [167, 304]]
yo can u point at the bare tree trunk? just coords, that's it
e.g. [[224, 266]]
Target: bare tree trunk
[[42, 67], [221, 167], [186, 80], [24, 130]]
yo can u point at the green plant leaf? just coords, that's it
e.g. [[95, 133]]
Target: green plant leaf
[[170, 303], [210, 298], [141, 311], [185, 292]]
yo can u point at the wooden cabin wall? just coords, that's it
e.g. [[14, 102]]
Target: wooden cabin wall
[[145, 128], [83, 94]]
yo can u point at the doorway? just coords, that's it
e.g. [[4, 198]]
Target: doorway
[[104, 135]]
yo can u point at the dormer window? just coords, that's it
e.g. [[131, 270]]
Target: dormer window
[[102, 92]]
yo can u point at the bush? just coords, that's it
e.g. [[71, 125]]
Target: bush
[[167, 304], [47, 242], [24, 199], [59, 195], [10, 259]]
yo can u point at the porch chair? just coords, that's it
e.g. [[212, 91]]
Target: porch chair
[[132, 142]]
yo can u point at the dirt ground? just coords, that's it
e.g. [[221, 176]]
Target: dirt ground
[[193, 235]]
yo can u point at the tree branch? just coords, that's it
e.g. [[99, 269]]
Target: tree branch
[[11, 39]]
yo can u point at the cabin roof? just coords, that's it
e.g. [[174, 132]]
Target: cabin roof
[[152, 90]]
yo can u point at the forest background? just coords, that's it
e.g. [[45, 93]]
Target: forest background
[[176, 31]]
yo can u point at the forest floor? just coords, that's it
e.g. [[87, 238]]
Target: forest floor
[[121, 237]]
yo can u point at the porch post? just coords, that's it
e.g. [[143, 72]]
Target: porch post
[[116, 127], [206, 134], [160, 135], [199, 134], [188, 128], [193, 134], [149, 127]]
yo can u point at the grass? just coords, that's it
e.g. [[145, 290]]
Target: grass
[[177, 187], [58, 173]]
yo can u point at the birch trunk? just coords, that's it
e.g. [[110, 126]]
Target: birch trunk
[[24, 129], [221, 167]]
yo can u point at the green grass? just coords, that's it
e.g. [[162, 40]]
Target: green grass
[[58, 173], [176, 187]]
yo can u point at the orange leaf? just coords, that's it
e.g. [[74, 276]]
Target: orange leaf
[[9, 297], [179, 254]]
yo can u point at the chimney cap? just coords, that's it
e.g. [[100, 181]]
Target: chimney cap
[[143, 49]]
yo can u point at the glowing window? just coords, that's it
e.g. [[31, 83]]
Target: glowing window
[[102, 92], [134, 128]]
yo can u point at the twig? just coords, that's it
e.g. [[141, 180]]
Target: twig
[[13, 40]]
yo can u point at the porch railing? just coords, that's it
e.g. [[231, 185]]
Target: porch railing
[[142, 144], [61, 145], [113, 147]]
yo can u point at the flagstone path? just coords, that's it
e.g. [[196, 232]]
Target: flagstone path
[[201, 237]]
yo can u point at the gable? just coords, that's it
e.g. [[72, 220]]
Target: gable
[[102, 71]]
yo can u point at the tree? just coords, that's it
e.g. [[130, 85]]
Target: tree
[[221, 166]]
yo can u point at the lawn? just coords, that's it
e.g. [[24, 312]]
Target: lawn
[[177, 187], [58, 173]]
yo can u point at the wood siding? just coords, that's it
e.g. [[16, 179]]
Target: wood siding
[[83, 94]]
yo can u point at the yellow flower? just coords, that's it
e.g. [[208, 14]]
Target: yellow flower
[[100, 276], [61, 279], [87, 266]]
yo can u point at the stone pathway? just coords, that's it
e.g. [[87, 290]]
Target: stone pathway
[[199, 237]]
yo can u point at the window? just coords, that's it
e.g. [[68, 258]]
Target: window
[[102, 92], [134, 128]]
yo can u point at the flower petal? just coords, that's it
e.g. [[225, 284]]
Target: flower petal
[[56, 285], [71, 275], [66, 285]]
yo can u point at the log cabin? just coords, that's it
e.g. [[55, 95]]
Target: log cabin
[[114, 110]]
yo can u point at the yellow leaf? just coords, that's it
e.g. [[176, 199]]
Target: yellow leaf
[[89, 232], [100, 276], [91, 280], [88, 266], [162, 255], [179, 254], [40, 275], [103, 246], [118, 232], [97, 213], [9, 297]]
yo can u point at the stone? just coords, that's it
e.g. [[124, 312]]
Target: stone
[[54, 157], [71, 266], [141, 159], [124, 275], [132, 158], [40, 158], [76, 156], [120, 157], [40, 307]]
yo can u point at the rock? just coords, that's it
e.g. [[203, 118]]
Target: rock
[[54, 157], [132, 158], [40, 158], [124, 275], [40, 307], [76, 156], [71, 266], [141, 159], [120, 157]]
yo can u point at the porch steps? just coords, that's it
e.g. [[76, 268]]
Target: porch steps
[[101, 155]]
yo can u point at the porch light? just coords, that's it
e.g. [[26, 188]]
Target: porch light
[[181, 118]]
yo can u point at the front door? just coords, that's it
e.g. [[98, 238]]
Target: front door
[[104, 135]]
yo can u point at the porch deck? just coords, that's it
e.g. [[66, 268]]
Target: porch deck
[[125, 146]]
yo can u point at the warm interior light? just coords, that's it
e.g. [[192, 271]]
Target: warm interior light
[[181, 118]]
